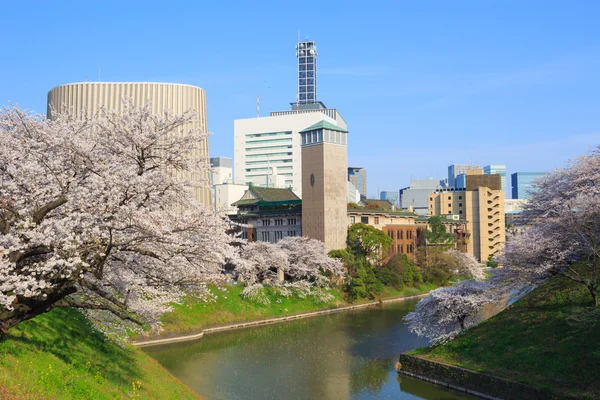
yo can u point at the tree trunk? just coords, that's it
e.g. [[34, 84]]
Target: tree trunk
[[594, 293], [28, 308]]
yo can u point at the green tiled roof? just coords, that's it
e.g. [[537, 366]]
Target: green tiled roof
[[383, 204], [268, 195], [323, 125], [274, 194]]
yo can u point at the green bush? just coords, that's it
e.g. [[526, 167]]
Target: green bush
[[365, 283], [399, 273]]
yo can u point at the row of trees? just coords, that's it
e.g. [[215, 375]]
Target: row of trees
[[560, 235], [98, 212], [435, 263]]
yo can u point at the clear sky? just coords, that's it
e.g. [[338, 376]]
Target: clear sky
[[422, 84]]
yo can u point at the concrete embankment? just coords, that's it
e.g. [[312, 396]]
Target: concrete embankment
[[471, 382], [266, 321]]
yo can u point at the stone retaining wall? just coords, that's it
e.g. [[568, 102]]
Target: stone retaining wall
[[266, 321], [467, 381]]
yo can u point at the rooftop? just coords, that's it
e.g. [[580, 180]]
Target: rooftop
[[323, 125]]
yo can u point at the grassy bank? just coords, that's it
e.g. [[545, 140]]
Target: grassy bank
[[193, 315], [548, 339], [59, 356]]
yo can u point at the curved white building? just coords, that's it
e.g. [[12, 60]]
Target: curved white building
[[176, 97]]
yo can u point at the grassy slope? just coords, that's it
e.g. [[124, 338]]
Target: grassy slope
[[547, 339], [59, 356], [231, 307]]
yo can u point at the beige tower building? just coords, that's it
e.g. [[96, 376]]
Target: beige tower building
[[481, 205], [324, 187], [179, 98]]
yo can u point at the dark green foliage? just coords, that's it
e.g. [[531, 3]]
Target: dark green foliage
[[364, 283], [399, 273], [491, 263], [436, 233], [367, 241]]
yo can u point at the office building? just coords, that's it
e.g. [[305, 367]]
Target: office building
[[268, 214], [358, 177], [481, 206], [324, 188], [522, 183], [225, 194], [267, 149], [392, 197], [417, 194], [456, 169], [221, 170], [90, 96], [499, 169]]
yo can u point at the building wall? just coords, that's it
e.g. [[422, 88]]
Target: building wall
[[324, 203], [221, 170], [392, 197], [522, 183], [258, 154], [358, 177], [404, 240], [483, 211], [90, 96], [226, 194], [416, 195], [500, 170], [272, 228], [456, 169]]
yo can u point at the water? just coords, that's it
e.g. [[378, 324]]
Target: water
[[346, 355]]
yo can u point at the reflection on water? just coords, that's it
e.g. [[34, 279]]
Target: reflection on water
[[347, 355]]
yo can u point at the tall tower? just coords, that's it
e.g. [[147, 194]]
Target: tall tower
[[324, 187], [306, 52]]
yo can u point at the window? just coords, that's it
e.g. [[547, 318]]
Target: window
[[449, 197], [245, 235], [278, 222], [266, 222], [400, 234], [291, 233], [449, 205], [460, 204], [400, 248], [460, 197], [364, 220], [278, 235], [391, 234], [264, 236], [376, 220], [291, 221], [431, 199], [460, 211], [352, 219]]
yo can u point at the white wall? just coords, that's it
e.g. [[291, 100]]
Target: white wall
[[280, 123], [227, 193]]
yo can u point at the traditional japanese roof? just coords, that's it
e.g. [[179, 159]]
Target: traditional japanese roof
[[323, 125], [256, 195]]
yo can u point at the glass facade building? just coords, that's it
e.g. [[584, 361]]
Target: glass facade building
[[306, 52], [456, 169], [358, 177], [500, 170], [392, 197], [522, 183]]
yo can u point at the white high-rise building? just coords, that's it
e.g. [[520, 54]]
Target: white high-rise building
[[267, 149], [221, 170]]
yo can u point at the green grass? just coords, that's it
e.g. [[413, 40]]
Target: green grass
[[194, 315], [549, 339], [59, 356]]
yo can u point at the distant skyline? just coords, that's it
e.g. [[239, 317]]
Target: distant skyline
[[421, 85]]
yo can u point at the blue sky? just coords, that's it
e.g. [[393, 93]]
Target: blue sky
[[421, 84]]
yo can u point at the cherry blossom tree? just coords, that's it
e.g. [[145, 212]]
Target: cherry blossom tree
[[563, 232], [468, 266], [448, 311], [308, 259], [260, 261], [97, 212]]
